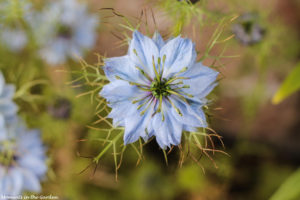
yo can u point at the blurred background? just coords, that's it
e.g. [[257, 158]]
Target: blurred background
[[42, 52]]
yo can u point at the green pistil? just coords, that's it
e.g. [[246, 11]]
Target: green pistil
[[176, 78], [138, 100], [137, 84], [163, 66], [155, 71], [140, 106], [144, 74], [140, 86], [135, 52], [144, 89], [119, 78], [160, 103], [176, 109], [181, 71], [179, 95], [150, 102], [159, 63], [184, 86], [179, 83], [188, 95]]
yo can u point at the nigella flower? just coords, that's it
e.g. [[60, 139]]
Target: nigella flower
[[12, 33], [22, 160], [8, 108], [158, 89], [247, 30], [64, 30], [14, 39]]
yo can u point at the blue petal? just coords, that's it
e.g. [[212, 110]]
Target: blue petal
[[179, 53], [120, 111], [14, 39], [8, 91], [2, 82], [74, 50], [55, 52], [205, 92], [32, 149], [169, 131], [31, 181], [17, 180], [85, 32], [201, 80], [34, 164], [6, 185], [146, 49], [8, 109], [191, 115], [119, 90], [31, 143], [136, 125], [11, 182], [124, 68], [3, 132], [159, 41], [133, 129], [2, 176], [189, 128]]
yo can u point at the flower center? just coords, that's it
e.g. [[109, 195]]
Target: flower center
[[65, 32], [8, 156], [248, 25], [160, 88]]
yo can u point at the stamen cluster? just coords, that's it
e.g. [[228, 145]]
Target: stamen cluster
[[160, 88]]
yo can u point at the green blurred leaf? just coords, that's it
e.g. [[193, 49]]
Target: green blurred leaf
[[289, 190], [290, 85], [191, 178]]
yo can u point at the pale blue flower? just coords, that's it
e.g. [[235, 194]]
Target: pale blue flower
[[14, 39], [64, 29], [12, 33], [8, 108], [248, 30], [158, 89], [22, 160]]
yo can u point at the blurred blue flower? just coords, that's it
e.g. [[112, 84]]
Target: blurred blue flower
[[247, 29], [158, 89], [14, 39], [64, 29], [8, 108], [12, 33], [22, 160]]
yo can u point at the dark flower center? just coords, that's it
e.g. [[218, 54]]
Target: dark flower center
[[248, 30], [61, 109], [65, 31], [7, 155], [159, 88], [247, 26]]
